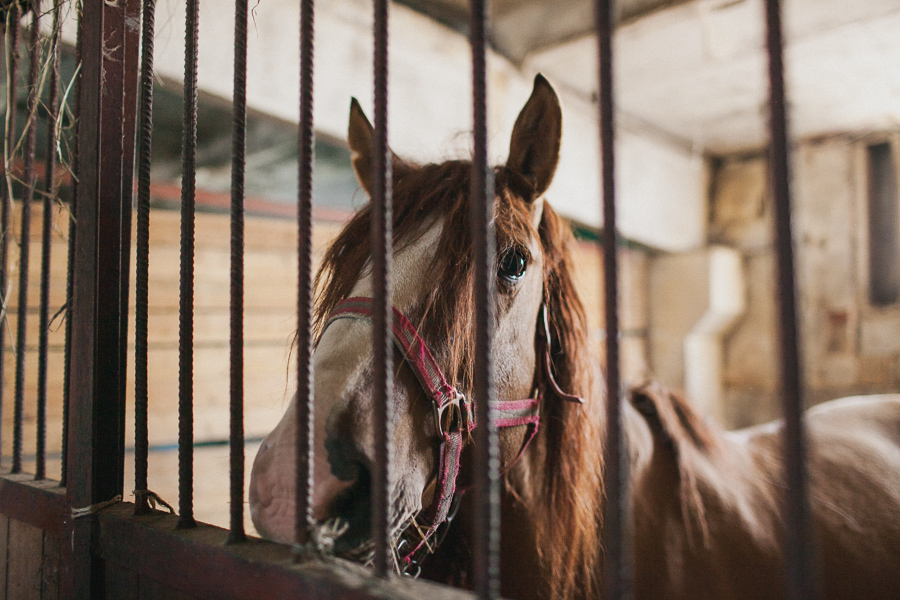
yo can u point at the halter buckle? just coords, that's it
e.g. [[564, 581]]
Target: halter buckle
[[454, 416]]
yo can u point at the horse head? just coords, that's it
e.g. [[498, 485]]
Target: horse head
[[539, 330]]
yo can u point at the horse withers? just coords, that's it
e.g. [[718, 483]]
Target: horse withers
[[706, 505]]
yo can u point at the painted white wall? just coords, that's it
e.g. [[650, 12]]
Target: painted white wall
[[704, 344], [697, 70], [661, 186]]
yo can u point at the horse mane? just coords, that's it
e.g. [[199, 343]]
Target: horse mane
[[570, 482], [675, 417], [684, 432]]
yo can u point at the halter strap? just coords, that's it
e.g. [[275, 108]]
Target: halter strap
[[453, 412]]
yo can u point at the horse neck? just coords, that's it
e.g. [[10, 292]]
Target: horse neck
[[534, 559]]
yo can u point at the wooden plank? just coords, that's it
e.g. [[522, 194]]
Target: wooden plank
[[151, 589], [4, 553], [215, 230], [200, 562], [26, 545], [120, 582], [40, 504], [51, 566], [266, 384]]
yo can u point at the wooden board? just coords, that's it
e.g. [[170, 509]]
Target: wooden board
[[269, 323], [151, 589], [120, 582], [51, 567], [4, 554], [24, 561]]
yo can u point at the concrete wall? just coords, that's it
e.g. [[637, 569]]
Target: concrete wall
[[848, 346]]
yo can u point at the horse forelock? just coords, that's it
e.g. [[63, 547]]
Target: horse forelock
[[422, 196]]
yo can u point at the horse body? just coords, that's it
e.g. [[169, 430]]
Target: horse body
[[706, 512], [708, 516]]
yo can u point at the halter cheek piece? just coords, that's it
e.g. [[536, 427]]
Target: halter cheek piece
[[453, 414]]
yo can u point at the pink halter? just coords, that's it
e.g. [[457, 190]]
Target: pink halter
[[453, 412]]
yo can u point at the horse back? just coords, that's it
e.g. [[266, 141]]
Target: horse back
[[853, 466]]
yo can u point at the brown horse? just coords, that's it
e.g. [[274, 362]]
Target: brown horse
[[705, 505]]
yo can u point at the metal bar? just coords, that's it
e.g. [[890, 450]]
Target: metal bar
[[12, 76], [142, 262], [381, 274], [306, 147], [186, 300], [238, 149], [70, 259], [96, 421], [25, 235], [798, 549], [11, 30], [487, 478], [617, 570], [131, 40], [50, 191]]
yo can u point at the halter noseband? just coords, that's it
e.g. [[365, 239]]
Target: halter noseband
[[453, 414]]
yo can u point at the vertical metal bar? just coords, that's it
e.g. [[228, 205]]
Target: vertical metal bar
[[186, 300], [70, 259], [96, 424], [130, 41], [237, 271], [50, 190], [305, 145], [487, 478], [616, 567], [12, 76], [798, 549], [25, 236], [142, 262], [381, 274]]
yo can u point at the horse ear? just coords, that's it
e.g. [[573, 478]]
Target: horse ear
[[534, 147], [360, 134]]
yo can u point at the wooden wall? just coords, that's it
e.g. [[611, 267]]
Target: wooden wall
[[32, 560], [269, 313]]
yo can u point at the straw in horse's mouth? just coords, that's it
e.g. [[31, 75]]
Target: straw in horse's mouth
[[335, 536]]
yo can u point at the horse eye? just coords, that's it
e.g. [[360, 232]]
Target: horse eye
[[512, 265]]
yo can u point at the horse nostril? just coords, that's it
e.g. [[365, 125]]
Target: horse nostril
[[344, 458], [354, 506]]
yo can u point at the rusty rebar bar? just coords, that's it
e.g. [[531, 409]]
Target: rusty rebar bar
[[381, 279], [186, 300], [617, 564], [25, 238], [303, 519], [49, 195], [142, 262], [236, 338], [798, 547], [487, 472]]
